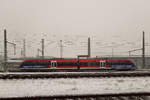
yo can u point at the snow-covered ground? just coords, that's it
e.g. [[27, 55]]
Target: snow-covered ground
[[72, 86]]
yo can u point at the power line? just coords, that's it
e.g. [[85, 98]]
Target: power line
[[134, 51]]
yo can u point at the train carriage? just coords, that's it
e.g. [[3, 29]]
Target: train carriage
[[56, 64]]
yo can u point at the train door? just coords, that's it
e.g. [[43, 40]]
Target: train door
[[53, 64], [102, 64]]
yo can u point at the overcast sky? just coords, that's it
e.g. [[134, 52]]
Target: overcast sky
[[111, 24]]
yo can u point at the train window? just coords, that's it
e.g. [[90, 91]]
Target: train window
[[53, 64], [36, 63], [88, 63], [66, 63], [119, 63], [91, 63], [102, 64]]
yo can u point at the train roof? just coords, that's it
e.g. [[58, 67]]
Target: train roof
[[76, 59]]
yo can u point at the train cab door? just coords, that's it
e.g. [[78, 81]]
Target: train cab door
[[53, 64], [102, 64]]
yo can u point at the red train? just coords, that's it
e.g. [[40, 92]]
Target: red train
[[51, 64]]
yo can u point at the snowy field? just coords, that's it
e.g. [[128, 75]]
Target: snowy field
[[72, 86]]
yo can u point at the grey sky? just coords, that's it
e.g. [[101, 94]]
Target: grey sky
[[107, 22]]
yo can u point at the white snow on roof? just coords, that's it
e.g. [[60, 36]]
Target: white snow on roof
[[72, 86]]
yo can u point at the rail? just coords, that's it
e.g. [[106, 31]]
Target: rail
[[112, 96], [78, 88], [36, 75]]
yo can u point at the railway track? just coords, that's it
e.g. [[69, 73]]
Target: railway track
[[122, 96], [36, 75], [89, 75]]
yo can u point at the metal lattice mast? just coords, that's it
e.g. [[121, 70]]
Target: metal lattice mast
[[143, 51], [61, 49], [42, 48], [89, 48], [24, 48], [5, 50]]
